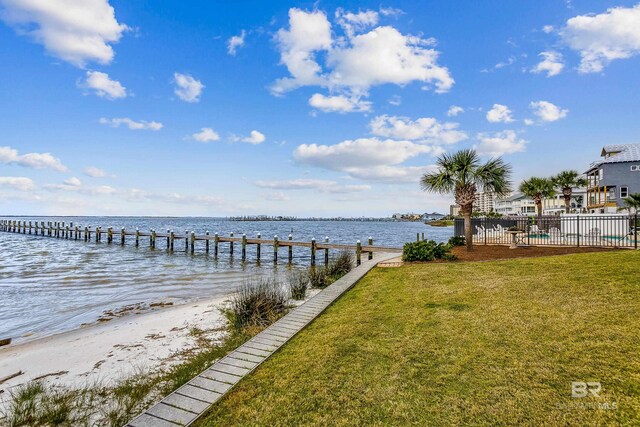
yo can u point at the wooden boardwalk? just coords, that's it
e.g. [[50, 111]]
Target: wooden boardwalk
[[189, 402], [189, 239]]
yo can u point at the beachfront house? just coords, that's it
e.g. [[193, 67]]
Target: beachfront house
[[613, 178], [515, 204]]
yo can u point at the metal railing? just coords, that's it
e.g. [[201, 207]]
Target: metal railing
[[552, 230]]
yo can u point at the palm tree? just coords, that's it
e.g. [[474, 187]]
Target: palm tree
[[632, 202], [566, 181], [464, 175], [537, 189]]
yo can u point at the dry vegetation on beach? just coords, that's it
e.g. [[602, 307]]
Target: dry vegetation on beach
[[253, 307]]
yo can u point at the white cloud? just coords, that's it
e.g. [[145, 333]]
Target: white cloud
[[10, 155], [602, 38], [551, 64], [17, 182], [454, 110], [74, 31], [255, 138], [499, 143], [338, 103], [356, 22], [425, 129], [131, 124], [395, 100], [308, 32], [206, 135], [548, 29], [322, 186], [391, 11], [380, 56], [187, 88], [103, 86], [94, 172], [548, 112], [235, 42], [366, 158], [499, 114], [276, 197], [73, 182], [528, 122]]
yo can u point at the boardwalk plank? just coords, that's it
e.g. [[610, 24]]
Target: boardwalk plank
[[198, 393], [169, 413], [186, 403], [211, 385]]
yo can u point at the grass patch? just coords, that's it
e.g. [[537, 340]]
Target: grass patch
[[257, 303], [298, 281], [485, 344]]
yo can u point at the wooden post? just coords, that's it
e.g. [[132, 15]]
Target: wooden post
[[193, 241], [50, 231], [98, 234], [313, 251], [231, 245], [244, 247], [137, 237], [66, 232], [87, 234], [216, 240], [417, 237], [275, 249], [258, 248], [290, 250], [371, 244], [326, 252], [358, 252], [206, 242], [186, 241], [77, 232], [168, 234], [109, 235], [153, 239], [122, 235], [172, 237], [29, 227]]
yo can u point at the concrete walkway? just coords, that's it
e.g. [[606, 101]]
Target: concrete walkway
[[186, 404]]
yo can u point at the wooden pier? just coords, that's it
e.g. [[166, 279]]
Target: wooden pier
[[171, 239]]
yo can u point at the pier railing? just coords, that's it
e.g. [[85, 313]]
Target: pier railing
[[171, 239]]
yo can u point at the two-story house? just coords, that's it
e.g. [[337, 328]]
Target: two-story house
[[613, 178]]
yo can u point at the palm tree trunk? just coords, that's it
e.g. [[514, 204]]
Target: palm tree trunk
[[468, 232], [567, 203], [539, 208]]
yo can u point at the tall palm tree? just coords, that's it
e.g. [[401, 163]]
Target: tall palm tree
[[463, 175], [537, 189], [566, 181], [632, 203]]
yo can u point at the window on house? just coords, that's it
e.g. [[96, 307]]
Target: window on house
[[612, 194], [624, 192]]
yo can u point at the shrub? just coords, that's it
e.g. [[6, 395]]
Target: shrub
[[298, 284], [456, 241], [340, 265], [318, 277], [258, 302], [424, 250]]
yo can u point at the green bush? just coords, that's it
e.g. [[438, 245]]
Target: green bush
[[340, 265], [424, 250], [318, 277], [456, 241], [258, 302], [298, 284]]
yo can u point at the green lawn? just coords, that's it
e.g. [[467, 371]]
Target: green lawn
[[490, 343]]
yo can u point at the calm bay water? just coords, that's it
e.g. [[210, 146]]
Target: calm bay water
[[51, 285]]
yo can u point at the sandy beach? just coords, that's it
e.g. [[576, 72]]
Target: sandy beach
[[106, 352]]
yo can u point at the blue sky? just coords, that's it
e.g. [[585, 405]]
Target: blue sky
[[308, 108]]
